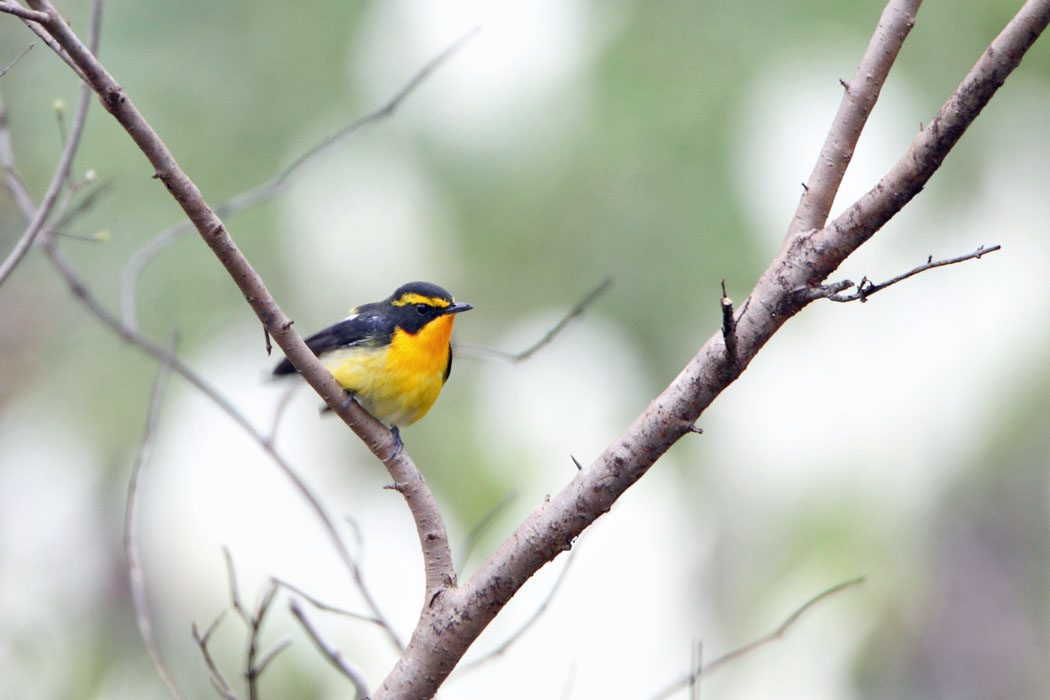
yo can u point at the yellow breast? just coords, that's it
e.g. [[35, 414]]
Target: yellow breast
[[399, 382]]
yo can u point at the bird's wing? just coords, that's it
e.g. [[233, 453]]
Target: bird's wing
[[362, 328]]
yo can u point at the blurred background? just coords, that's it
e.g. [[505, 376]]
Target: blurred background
[[658, 144]]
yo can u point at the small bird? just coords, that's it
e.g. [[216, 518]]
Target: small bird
[[393, 356]]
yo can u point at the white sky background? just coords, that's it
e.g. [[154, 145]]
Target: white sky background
[[628, 614]]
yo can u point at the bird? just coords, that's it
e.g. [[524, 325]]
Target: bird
[[392, 356]]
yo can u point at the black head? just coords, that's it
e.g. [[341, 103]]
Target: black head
[[418, 303]]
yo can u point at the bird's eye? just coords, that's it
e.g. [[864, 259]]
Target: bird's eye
[[422, 309]]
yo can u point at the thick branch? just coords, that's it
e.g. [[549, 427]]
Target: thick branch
[[457, 617]]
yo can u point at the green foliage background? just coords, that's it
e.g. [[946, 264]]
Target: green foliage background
[[632, 168]]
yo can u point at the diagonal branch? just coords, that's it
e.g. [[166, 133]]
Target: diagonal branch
[[334, 655], [80, 290], [58, 181], [409, 482], [910, 174], [453, 616], [859, 99], [804, 261]]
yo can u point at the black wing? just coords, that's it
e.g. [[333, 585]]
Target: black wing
[[364, 328]]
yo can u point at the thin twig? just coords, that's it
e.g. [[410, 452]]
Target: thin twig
[[858, 100], [698, 665], [7, 160], [217, 679], [579, 308], [89, 199], [81, 291], [321, 605], [264, 660], [779, 632], [254, 664], [332, 654], [430, 528], [536, 615], [17, 59], [37, 27], [472, 538], [36, 224], [253, 667], [145, 254], [231, 581], [865, 288], [784, 627], [136, 575], [279, 410]]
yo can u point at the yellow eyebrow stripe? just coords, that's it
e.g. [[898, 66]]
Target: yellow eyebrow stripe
[[413, 298]]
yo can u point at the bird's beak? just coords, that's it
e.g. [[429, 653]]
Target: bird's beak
[[456, 308]]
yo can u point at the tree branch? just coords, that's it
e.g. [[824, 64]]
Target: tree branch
[[452, 617], [785, 627], [80, 290], [576, 310], [331, 653], [407, 479], [217, 679], [865, 288], [58, 181], [448, 627], [857, 102], [26, 14], [136, 576], [18, 58]]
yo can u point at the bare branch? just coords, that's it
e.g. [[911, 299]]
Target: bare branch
[[805, 260], [26, 14], [579, 308], [520, 632], [231, 580], [261, 193], [36, 26], [865, 288], [471, 540], [332, 654], [321, 605], [80, 290], [7, 160], [217, 679], [253, 620], [36, 224], [707, 669], [831, 245], [409, 482], [453, 616], [784, 627], [17, 59], [136, 575], [857, 102]]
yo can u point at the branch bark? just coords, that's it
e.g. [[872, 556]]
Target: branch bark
[[455, 619], [453, 616], [859, 99], [407, 479]]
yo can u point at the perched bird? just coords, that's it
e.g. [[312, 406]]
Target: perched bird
[[393, 356]]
